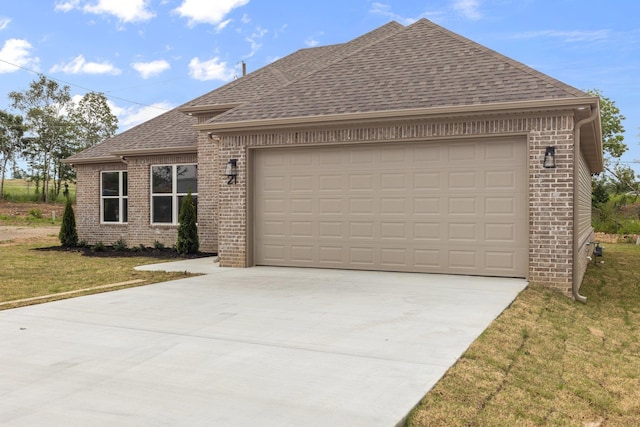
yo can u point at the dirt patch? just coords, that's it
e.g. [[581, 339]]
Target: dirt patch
[[616, 238], [22, 210], [20, 234]]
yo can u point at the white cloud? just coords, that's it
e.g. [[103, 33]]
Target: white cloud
[[17, 52], [567, 36], [4, 22], [469, 8], [151, 69], [79, 65], [124, 10], [134, 115], [254, 39], [245, 19], [213, 69], [222, 25], [207, 11], [311, 42]]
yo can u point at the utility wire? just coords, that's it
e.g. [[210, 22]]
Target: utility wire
[[84, 88]]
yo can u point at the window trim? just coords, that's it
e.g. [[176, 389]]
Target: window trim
[[174, 192], [120, 197]]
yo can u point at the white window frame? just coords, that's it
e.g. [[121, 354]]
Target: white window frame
[[121, 197], [174, 193]]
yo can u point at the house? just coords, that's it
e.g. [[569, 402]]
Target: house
[[407, 149]]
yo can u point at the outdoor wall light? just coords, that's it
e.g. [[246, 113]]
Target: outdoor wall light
[[232, 171], [549, 157]]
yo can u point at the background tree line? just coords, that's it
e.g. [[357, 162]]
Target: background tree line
[[48, 128]]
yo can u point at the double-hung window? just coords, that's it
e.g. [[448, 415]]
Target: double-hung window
[[169, 185], [114, 197]]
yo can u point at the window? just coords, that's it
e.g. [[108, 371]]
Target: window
[[169, 185], [114, 197]]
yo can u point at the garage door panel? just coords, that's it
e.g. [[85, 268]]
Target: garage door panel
[[427, 181], [428, 207], [462, 206], [462, 181], [426, 231]]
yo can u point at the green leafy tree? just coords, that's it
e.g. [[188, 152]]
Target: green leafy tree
[[12, 129], [622, 178], [599, 193], [93, 120], [45, 105], [188, 242], [68, 233], [612, 128]]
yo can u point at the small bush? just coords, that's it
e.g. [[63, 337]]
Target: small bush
[[120, 245], [158, 245], [35, 213], [98, 247], [68, 233], [83, 243], [188, 242], [142, 248]]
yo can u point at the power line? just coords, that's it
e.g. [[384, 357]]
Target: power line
[[84, 88]]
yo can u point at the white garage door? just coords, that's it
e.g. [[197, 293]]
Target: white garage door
[[455, 207]]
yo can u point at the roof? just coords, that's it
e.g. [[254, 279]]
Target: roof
[[174, 129], [391, 69], [423, 66]]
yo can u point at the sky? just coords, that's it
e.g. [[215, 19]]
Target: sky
[[149, 56]]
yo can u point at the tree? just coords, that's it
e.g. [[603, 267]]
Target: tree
[[45, 104], [68, 233], [93, 120], [12, 130], [612, 129], [622, 178], [188, 242]]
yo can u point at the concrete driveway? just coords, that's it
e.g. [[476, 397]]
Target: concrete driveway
[[243, 347]]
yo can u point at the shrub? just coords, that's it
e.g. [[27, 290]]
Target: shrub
[[188, 242], [35, 213], [99, 247], [120, 245], [68, 233], [158, 245]]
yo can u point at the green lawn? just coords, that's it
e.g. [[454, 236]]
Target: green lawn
[[20, 190], [550, 361], [28, 271]]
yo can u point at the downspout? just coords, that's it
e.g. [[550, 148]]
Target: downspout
[[576, 200]]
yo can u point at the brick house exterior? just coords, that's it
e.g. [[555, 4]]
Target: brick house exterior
[[369, 92]]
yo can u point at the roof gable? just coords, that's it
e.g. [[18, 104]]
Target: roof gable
[[421, 66], [174, 129]]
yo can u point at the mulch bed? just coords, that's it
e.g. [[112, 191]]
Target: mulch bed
[[111, 252]]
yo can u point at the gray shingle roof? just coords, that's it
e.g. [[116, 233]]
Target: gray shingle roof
[[174, 129], [391, 68], [422, 66]]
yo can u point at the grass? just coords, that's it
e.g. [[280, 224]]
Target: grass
[[29, 272], [21, 190], [550, 361]]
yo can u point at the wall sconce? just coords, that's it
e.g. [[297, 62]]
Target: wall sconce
[[232, 171], [549, 157]]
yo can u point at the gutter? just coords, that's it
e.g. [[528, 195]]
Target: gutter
[[575, 288]]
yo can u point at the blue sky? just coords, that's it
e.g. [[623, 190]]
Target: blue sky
[[148, 56]]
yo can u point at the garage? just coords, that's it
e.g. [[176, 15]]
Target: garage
[[454, 207]]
